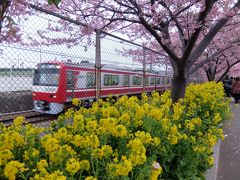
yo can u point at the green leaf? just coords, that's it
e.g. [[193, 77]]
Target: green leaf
[[56, 2]]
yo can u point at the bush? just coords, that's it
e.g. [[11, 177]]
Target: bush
[[143, 139]]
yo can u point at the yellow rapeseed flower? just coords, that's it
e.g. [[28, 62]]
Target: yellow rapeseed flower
[[147, 107], [62, 134], [173, 139], [184, 136], [120, 131], [69, 113], [91, 126], [210, 160], [189, 125], [217, 118], [138, 152], [75, 101], [196, 121], [178, 110], [165, 123], [174, 129], [12, 168], [78, 122], [90, 178], [120, 169], [62, 153], [156, 141], [5, 156], [156, 114], [31, 153], [139, 113], [108, 125], [72, 166], [86, 141], [49, 143], [80, 141], [144, 137], [18, 121], [56, 175], [124, 119], [105, 151], [105, 112], [84, 165], [42, 165], [114, 112], [212, 139]]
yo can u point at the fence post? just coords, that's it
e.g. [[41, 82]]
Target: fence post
[[98, 64], [144, 68]]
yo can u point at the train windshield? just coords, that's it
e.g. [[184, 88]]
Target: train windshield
[[46, 77]]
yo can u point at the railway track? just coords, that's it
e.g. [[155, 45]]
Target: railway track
[[30, 117]]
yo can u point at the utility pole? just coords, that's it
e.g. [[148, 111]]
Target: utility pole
[[98, 64]]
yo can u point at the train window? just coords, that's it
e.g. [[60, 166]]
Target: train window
[[125, 80], [137, 80], [161, 80], [146, 81], [152, 81], [90, 79], [107, 80], [158, 81], [70, 79], [111, 80], [168, 80], [115, 80], [46, 77]]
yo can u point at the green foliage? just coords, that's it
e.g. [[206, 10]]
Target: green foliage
[[55, 2]]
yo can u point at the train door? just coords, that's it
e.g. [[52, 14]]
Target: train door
[[125, 83], [70, 84]]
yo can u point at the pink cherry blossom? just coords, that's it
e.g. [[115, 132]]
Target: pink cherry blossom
[[186, 32]]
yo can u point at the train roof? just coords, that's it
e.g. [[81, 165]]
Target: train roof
[[87, 64]]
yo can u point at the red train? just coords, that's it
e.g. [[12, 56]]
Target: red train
[[56, 83]]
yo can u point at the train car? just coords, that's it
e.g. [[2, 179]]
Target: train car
[[56, 83]]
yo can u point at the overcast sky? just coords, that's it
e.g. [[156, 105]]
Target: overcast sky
[[27, 57]]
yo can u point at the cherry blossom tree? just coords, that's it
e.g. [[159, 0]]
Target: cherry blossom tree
[[182, 30], [218, 68], [11, 13], [221, 55]]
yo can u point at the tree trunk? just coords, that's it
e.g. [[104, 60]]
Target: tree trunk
[[179, 83], [210, 74]]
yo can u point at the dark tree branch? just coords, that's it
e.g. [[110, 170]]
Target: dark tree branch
[[178, 25], [4, 4], [214, 55], [201, 20], [227, 70], [154, 33], [208, 38]]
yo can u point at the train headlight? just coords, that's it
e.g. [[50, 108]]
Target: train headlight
[[34, 94], [52, 96]]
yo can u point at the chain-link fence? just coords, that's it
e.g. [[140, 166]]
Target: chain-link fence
[[45, 78]]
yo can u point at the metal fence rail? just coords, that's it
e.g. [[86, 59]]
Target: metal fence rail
[[21, 79]]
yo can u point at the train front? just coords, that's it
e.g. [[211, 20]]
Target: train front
[[48, 96]]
